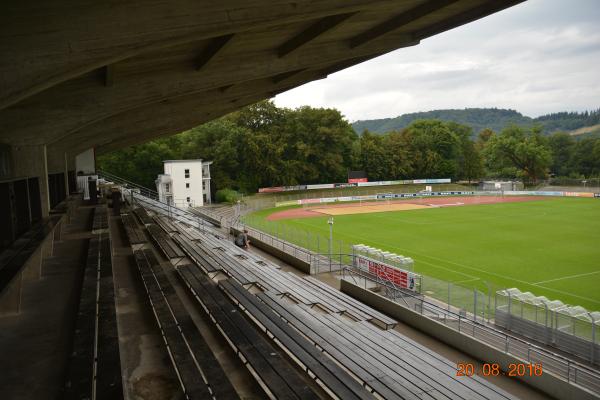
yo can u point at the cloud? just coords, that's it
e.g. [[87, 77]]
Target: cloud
[[538, 57]]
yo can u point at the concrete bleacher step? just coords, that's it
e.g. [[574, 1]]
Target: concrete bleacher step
[[170, 249], [224, 255], [380, 318], [375, 380], [94, 367], [393, 361], [273, 372], [325, 371], [142, 215], [200, 374], [134, 233], [164, 223]]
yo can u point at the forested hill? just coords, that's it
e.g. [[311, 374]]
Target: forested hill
[[481, 118]]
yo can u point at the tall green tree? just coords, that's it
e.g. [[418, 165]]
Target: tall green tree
[[397, 149], [374, 158], [562, 146], [434, 149], [527, 152], [585, 160]]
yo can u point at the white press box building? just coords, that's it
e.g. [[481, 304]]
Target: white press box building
[[185, 183]]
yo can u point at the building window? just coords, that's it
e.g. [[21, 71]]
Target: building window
[[167, 187], [187, 173], [188, 199], [187, 185]]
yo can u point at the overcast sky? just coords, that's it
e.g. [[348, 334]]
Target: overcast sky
[[537, 57]]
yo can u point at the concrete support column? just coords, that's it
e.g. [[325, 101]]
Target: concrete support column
[[44, 187], [86, 162], [32, 161], [66, 175]]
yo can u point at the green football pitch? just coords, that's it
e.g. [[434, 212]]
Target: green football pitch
[[549, 247]]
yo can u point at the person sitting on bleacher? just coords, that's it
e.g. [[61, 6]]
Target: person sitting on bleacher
[[241, 240]]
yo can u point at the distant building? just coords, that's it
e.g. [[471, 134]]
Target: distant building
[[185, 183], [500, 185]]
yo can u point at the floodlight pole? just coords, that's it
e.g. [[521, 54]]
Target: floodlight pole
[[330, 222]]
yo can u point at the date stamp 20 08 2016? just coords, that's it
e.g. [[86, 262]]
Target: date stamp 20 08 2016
[[493, 369]]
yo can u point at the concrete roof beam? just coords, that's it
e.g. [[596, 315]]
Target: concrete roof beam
[[315, 30], [399, 21]]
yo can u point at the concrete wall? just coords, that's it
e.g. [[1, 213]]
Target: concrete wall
[[11, 296], [300, 265], [547, 383], [86, 162], [32, 161]]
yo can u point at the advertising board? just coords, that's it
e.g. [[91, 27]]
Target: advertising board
[[399, 277]]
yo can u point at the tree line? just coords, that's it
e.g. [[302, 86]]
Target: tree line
[[264, 145], [481, 118]]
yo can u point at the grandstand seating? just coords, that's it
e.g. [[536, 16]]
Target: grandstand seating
[[391, 365], [199, 372], [170, 249], [347, 347], [14, 258], [274, 373], [332, 376], [142, 214], [134, 233], [94, 367], [165, 224]]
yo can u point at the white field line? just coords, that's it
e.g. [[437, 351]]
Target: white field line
[[567, 277], [474, 269], [567, 293], [471, 277], [494, 274], [468, 280]]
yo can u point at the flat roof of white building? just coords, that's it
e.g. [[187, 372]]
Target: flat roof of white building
[[182, 160], [178, 161]]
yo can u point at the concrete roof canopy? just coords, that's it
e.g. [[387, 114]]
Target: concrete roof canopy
[[76, 75]]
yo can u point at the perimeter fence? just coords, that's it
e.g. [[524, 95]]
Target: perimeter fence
[[476, 299], [326, 254], [561, 366]]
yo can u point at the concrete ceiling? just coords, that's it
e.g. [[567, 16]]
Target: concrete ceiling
[[76, 74]]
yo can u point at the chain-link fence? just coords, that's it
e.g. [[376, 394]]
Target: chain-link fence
[[269, 200], [468, 301], [585, 182], [473, 301]]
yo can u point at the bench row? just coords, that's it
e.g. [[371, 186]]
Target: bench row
[[273, 372], [199, 373], [94, 367], [327, 373], [388, 363], [224, 256], [385, 362]]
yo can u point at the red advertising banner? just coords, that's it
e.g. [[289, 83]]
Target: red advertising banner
[[271, 189], [357, 180], [397, 276]]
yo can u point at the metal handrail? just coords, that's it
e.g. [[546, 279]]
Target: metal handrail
[[123, 181], [571, 366]]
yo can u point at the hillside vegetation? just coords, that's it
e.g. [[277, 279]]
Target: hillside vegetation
[[265, 145], [481, 118]]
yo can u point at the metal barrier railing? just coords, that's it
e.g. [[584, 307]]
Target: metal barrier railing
[[144, 191], [569, 370], [287, 247], [461, 321]]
